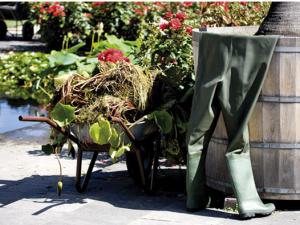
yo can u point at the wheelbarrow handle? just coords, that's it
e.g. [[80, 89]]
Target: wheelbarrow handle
[[125, 128], [52, 124]]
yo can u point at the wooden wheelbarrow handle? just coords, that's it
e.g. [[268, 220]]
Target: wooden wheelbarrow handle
[[52, 124]]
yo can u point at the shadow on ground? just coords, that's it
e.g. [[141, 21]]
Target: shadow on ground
[[115, 188]]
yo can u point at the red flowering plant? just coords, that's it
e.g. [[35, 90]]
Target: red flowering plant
[[232, 13], [167, 44], [122, 19], [57, 19], [112, 55]]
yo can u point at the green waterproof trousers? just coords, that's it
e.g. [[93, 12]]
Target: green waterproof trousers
[[230, 74]]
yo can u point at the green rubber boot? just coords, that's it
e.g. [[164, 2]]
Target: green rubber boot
[[249, 202], [197, 195]]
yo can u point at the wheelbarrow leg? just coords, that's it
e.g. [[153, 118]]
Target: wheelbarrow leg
[[154, 167], [81, 186], [141, 167]]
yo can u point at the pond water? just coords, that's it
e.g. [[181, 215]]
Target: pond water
[[11, 110]]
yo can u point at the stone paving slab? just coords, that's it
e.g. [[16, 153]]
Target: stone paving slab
[[18, 45], [28, 193]]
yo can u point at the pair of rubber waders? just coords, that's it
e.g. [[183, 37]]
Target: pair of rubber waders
[[230, 74]]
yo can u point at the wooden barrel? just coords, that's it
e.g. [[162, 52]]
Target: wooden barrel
[[274, 129]]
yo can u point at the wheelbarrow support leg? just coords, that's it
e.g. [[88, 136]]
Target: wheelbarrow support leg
[[81, 186], [141, 167]]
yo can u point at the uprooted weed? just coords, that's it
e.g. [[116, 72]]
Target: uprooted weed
[[120, 90]]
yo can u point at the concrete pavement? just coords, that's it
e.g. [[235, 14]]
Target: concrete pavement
[[28, 192]]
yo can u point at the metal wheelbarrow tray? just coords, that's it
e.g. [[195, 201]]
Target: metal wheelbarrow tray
[[136, 148]]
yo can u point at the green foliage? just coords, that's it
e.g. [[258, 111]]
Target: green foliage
[[26, 76], [58, 19], [163, 120], [62, 58], [122, 19], [62, 114], [47, 149], [103, 133]]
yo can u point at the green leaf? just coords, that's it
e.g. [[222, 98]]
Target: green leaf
[[92, 60], [85, 68], [163, 120], [101, 132], [173, 148], [114, 140], [47, 149], [112, 152], [75, 48], [61, 78], [63, 58], [121, 150], [62, 114]]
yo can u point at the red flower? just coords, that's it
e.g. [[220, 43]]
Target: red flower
[[181, 16], [163, 25], [56, 10], [187, 4], [97, 4], [138, 3], [189, 30], [175, 24], [168, 15], [112, 55], [42, 10], [244, 3], [257, 7], [226, 6], [139, 12]]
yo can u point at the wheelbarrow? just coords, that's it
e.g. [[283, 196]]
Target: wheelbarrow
[[17, 11], [143, 155]]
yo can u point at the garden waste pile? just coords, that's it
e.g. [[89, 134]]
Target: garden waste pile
[[82, 104], [120, 90]]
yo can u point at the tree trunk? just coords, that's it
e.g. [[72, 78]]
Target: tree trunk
[[283, 19]]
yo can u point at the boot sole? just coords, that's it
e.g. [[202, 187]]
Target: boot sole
[[253, 214]]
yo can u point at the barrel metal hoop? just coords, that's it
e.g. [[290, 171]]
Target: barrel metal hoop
[[279, 99], [265, 145], [287, 49]]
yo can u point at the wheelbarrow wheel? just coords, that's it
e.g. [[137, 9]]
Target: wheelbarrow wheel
[[3, 30], [27, 31], [147, 155]]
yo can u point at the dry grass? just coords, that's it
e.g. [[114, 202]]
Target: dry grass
[[120, 90]]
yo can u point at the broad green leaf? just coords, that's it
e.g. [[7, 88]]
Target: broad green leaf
[[112, 153], [114, 140], [85, 68], [100, 132], [75, 48], [62, 114], [63, 58], [47, 149], [92, 60], [163, 120], [121, 150]]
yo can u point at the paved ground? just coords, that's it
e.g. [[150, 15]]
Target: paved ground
[[28, 195], [28, 187], [14, 42]]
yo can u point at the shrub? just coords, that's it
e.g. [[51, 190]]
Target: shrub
[[122, 19], [59, 19]]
